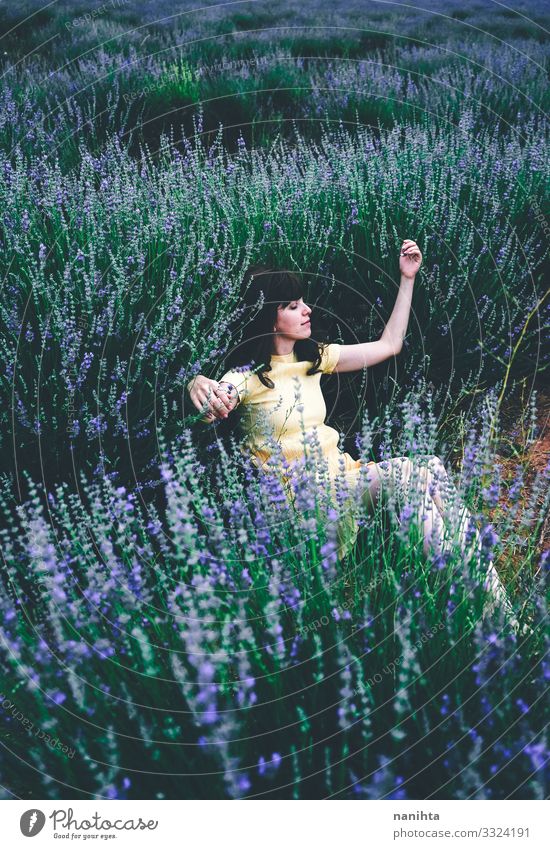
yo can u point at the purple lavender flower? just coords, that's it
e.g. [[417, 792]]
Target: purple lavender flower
[[270, 767], [489, 537], [538, 754]]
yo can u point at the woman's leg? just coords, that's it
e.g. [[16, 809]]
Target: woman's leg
[[467, 530], [440, 500], [471, 537], [397, 479]]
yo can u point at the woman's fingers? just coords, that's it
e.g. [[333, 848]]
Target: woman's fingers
[[207, 410], [410, 250], [222, 399], [215, 406], [201, 399], [218, 405], [211, 400]]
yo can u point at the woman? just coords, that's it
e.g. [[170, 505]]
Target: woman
[[280, 399]]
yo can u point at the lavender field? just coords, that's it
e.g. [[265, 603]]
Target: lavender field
[[170, 626]]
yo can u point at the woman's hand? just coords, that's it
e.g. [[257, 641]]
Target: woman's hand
[[215, 400], [410, 259]]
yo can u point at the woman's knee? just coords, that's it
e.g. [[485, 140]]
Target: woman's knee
[[374, 483], [394, 475], [403, 466], [440, 481], [399, 472], [390, 472], [430, 468], [410, 469], [402, 476], [437, 465]]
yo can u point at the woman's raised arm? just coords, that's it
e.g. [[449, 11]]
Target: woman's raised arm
[[409, 262], [364, 354]]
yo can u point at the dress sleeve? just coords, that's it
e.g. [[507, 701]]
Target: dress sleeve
[[240, 380], [330, 357]]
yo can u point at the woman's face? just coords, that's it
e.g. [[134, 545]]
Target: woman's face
[[293, 321]]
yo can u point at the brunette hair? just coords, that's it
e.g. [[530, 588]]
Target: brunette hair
[[264, 289]]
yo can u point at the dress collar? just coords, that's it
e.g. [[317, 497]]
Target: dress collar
[[284, 358]]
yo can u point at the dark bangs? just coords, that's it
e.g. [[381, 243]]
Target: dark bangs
[[289, 287]]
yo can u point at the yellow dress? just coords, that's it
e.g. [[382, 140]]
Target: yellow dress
[[294, 408]]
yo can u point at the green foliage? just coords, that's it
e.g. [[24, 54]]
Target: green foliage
[[224, 650]]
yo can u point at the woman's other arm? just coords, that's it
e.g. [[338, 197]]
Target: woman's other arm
[[214, 399], [365, 354]]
